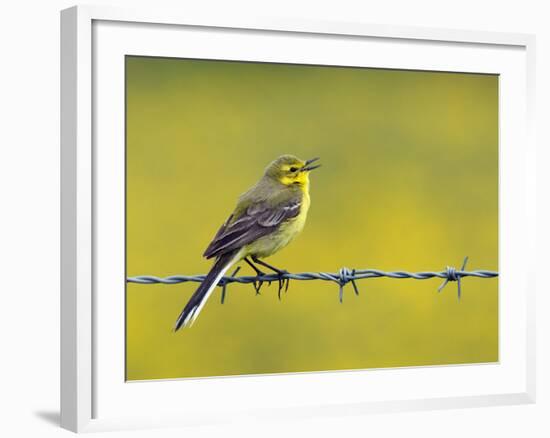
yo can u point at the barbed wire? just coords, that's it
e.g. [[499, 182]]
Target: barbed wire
[[342, 278]]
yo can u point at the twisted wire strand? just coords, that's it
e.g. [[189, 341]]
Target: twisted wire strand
[[342, 277]]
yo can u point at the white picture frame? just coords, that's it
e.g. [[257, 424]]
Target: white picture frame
[[92, 389]]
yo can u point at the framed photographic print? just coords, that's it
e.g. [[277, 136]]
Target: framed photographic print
[[268, 218]]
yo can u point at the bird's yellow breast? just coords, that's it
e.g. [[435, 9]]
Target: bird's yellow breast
[[295, 225]]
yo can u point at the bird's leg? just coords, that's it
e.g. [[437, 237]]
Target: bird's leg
[[253, 266], [267, 265], [258, 285], [280, 272]]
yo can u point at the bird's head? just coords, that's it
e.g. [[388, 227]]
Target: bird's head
[[290, 170]]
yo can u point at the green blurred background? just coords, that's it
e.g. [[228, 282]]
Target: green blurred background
[[409, 181]]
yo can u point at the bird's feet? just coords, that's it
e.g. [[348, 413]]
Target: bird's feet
[[283, 282], [258, 284], [259, 273], [282, 279]]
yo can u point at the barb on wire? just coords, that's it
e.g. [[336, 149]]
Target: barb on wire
[[342, 277]]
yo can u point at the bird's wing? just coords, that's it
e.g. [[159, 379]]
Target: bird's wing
[[259, 219]]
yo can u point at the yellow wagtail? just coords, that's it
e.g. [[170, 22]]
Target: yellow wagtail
[[267, 217]]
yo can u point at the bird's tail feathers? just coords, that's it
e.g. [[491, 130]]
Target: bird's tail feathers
[[197, 301]]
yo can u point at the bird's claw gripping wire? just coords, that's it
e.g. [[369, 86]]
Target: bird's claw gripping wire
[[259, 283], [453, 275], [282, 275], [283, 281]]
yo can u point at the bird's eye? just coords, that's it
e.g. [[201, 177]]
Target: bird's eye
[[293, 169]]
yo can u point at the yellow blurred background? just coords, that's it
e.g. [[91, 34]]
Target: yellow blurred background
[[409, 182]]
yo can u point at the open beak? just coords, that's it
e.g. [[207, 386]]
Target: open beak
[[308, 167]]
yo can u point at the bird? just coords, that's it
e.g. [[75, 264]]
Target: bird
[[266, 218]]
